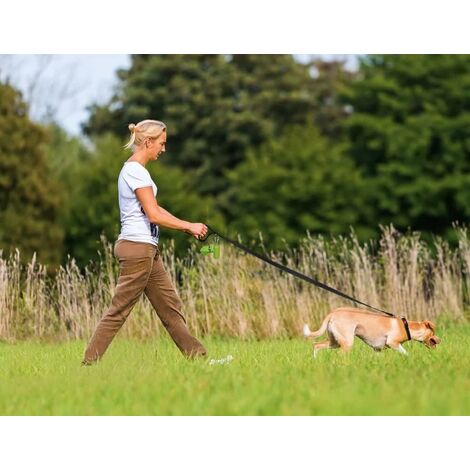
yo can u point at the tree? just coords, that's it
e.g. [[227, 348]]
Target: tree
[[330, 81], [217, 107], [30, 198], [297, 182], [410, 133]]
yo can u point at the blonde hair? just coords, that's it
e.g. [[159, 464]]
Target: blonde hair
[[144, 130]]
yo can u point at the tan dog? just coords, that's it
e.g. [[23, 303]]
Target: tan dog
[[376, 330]]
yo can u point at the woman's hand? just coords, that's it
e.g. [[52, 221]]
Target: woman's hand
[[197, 230]]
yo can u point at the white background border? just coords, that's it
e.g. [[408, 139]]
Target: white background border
[[225, 443], [244, 26]]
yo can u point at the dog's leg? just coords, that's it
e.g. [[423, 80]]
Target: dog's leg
[[346, 347], [322, 345], [402, 350], [398, 347], [343, 340]]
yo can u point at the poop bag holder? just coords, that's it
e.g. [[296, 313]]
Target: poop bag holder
[[212, 249]]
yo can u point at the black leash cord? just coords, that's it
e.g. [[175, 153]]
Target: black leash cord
[[290, 271]]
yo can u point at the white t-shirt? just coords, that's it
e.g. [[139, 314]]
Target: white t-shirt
[[135, 225]]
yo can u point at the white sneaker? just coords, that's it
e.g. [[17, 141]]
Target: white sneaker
[[224, 360]]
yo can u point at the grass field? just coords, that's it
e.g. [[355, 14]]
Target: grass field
[[272, 377]]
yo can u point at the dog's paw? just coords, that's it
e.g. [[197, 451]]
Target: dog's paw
[[306, 330], [224, 360]]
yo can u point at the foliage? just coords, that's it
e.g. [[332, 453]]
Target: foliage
[[216, 107], [94, 206], [410, 134], [30, 197], [296, 183]]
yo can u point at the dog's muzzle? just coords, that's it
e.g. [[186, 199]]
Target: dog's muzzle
[[432, 342]]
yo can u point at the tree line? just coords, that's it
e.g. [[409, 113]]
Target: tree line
[[257, 144]]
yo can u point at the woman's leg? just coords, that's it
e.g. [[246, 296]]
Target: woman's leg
[[135, 260], [167, 304]]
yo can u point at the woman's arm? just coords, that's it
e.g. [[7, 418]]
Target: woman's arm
[[158, 215]]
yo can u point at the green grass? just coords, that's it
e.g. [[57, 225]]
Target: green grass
[[265, 378]]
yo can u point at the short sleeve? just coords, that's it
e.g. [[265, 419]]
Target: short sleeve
[[137, 177]]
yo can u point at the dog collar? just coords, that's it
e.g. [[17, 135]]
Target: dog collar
[[407, 328]]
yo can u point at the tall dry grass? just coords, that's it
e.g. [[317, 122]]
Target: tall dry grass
[[239, 295]]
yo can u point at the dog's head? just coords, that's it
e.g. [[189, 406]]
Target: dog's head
[[428, 336]]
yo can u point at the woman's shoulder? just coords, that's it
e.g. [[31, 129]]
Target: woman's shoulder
[[135, 175], [132, 166]]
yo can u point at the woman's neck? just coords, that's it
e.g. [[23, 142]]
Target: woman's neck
[[139, 157]]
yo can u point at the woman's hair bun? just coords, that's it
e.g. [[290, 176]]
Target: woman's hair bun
[[148, 128]]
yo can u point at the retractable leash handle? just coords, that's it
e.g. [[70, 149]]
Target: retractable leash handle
[[291, 271], [210, 232]]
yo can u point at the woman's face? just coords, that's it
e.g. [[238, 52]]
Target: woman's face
[[156, 146]]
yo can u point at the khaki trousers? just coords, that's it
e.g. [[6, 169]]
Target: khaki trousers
[[142, 271]]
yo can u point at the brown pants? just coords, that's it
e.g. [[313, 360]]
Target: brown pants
[[141, 270]]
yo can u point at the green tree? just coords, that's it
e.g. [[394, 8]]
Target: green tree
[[93, 206], [217, 107], [30, 197], [299, 182], [65, 154], [66, 157], [410, 135], [330, 80]]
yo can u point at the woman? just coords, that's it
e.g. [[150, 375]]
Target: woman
[[141, 268]]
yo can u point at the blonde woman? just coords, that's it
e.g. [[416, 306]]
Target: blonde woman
[[141, 268]]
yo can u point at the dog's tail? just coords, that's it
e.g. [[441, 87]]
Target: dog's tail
[[319, 332]]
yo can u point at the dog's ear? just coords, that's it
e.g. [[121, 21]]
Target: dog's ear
[[430, 325]]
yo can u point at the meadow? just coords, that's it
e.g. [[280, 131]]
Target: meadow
[[268, 377]]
